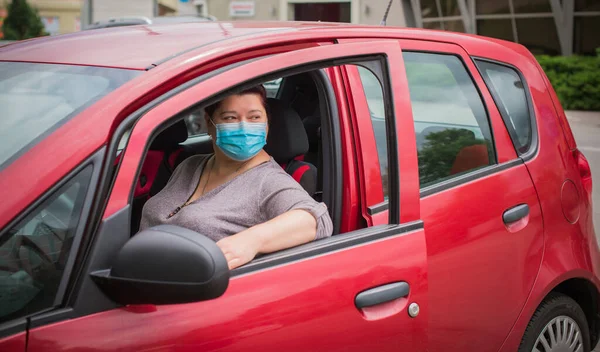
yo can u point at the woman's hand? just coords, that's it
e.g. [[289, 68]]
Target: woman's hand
[[239, 249], [289, 229]]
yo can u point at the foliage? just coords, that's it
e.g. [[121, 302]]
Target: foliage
[[439, 152], [22, 22], [576, 80]]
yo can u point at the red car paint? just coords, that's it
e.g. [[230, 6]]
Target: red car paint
[[477, 281]]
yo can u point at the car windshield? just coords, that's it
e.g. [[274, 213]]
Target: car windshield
[[38, 98]]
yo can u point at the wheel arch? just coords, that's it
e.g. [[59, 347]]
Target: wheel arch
[[585, 293]]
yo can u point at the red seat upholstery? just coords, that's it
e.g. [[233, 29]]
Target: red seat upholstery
[[469, 158]]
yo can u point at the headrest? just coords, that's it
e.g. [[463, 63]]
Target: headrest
[[312, 126], [287, 138], [171, 137]]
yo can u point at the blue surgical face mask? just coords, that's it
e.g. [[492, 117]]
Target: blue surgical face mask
[[242, 140]]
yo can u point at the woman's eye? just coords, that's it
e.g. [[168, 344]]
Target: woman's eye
[[228, 118], [255, 118]]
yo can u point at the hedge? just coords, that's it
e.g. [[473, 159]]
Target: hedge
[[576, 80]]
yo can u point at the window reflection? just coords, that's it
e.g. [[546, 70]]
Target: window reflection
[[451, 126]]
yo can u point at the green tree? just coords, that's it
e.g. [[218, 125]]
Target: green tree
[[22, 22]]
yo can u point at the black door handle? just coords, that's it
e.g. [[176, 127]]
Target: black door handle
[[515, 214], [381, 294]]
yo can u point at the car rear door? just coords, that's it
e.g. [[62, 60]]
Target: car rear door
[[482, 217], [321, 296]]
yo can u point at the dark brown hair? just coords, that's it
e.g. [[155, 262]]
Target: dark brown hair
[[259, 90]]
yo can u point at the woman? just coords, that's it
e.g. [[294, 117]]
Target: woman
[[239, 196]]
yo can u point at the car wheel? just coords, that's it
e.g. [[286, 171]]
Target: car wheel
[[558, 325]]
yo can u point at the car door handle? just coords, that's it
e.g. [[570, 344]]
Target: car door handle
[[381, 294], [515, 214]]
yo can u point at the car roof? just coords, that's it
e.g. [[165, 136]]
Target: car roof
[[135, 47], [143, 46]]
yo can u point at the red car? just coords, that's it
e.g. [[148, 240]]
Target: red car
[[461, 204]]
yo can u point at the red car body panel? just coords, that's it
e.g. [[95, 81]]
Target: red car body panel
[[15, 343], [582, 260], [296, 316], [461, 254], [301, 304]]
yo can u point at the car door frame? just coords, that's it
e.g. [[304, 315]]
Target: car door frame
[[88, 299]]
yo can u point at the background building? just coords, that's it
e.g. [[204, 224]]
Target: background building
[[544, 26], [552, 27], [102, 10], [351, 11], [58, 16], [555, 27]]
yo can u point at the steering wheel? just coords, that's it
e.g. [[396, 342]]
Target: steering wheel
[[22, 241]]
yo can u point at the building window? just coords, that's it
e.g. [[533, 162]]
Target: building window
[[487, 7], [449, 8], [432, 25], [585, 35], [587, 5], [454, 26], [528, 32], [325, 12], [51, 24], [429, 9], [532, 6], [501, 29]]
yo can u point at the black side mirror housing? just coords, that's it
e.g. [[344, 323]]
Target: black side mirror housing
[[165, 264]]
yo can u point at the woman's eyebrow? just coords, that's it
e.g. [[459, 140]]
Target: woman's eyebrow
[[256, 110], [228, 112]]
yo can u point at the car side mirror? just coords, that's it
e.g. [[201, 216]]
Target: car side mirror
[[165, 264]]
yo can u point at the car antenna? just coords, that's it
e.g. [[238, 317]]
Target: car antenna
[[386, 13]]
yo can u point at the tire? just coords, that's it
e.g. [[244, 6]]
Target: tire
[[557, 310]]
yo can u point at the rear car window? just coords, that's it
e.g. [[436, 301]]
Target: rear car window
[[508, 92], [38, 98], [452, 129]]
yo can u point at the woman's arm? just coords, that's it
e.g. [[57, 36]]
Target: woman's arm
[[290, 229]]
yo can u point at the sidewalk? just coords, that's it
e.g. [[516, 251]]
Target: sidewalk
[[576, 115]]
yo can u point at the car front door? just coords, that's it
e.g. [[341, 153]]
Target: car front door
[[482, 218], [319, 296]]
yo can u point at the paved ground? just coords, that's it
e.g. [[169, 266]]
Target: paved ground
[[586, 128]]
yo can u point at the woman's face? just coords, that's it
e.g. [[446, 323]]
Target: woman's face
[[237, 108]]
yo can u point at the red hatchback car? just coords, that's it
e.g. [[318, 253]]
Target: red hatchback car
[[461, 205]]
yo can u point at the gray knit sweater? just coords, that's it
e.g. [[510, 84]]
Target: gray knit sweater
[[251, 198]]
